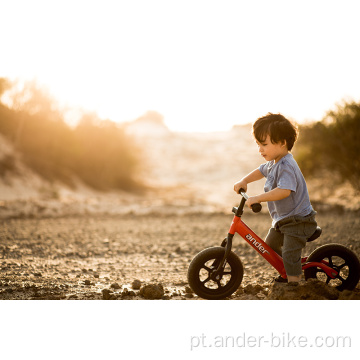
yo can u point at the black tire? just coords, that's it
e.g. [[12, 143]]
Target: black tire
[[342, 260], [207, 261]]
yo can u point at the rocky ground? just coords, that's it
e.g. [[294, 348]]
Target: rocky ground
[[145, 257]]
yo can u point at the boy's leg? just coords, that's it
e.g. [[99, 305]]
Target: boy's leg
[[296, 232], [292, 249], [275, 240]]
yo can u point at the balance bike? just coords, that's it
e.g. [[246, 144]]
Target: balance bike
[[216, 272]]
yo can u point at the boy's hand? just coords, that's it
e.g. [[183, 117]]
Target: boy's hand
[[252, 200], [240, 185], [249, 178]]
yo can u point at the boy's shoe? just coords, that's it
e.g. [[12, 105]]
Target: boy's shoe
[[280, 279], [296, 283]]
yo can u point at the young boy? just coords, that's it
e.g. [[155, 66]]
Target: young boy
[[293, 218]]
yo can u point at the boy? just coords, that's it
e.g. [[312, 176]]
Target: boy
[[293, 218]]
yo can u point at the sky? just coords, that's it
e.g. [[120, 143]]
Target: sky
[[203, 65]]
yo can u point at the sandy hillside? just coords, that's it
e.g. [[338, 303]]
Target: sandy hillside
[[182, 171]]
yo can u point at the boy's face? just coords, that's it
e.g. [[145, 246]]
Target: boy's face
[[272, 151]]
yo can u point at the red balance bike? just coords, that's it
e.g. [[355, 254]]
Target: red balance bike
[[216, 272]]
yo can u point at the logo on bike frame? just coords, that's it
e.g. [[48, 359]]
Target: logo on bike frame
[[256, 244]]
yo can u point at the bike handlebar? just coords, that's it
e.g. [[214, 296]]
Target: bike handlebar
[[254, 207]]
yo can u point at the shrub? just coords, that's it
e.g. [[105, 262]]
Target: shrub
[[105, 156], [97, 152], [332, 144]]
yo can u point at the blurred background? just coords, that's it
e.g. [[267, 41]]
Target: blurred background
[[118, 106]]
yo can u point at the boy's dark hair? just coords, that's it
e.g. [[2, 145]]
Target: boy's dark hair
[[278, 127]]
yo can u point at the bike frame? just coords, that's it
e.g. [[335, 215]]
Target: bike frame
[[251, 238], [238, 226]]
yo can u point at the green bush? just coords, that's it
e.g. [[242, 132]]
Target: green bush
[[332, 144]]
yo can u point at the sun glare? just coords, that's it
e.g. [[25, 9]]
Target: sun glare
[[204, 65]]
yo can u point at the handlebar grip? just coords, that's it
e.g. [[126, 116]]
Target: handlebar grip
[[256, 207]]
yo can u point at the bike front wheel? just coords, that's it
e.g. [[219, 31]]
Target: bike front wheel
[[202, 268]]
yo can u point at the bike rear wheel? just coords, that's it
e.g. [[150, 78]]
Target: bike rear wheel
[[341, 259], [204, 265]]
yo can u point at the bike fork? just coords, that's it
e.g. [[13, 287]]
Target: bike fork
[[227, 243]]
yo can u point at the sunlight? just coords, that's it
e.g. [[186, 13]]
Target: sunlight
[[204, 65]]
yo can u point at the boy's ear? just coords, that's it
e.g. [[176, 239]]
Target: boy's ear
[[283, 143]]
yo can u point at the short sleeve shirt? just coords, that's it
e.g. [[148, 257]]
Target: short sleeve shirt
[[286, 174]]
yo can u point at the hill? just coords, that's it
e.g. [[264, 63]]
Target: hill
[[181, 173]]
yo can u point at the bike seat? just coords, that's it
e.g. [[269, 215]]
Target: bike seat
[[315, 235]]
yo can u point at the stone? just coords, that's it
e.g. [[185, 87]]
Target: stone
[[115, 286], [152, 291], [136, 284], [312, 289], [106, 294]]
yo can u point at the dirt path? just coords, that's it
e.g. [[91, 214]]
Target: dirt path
[[112, 257]]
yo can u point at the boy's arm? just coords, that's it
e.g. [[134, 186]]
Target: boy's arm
[[272, 195], [251, 177]]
